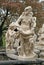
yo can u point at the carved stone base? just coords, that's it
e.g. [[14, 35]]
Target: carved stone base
[[22, 58]]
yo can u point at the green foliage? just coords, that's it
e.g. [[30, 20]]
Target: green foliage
[[3, 40]]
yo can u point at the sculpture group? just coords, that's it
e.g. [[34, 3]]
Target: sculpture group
[[21, 37]]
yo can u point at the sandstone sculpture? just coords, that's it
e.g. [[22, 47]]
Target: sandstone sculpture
[[41, 42], [20, 37]]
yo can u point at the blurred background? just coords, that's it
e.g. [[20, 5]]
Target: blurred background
[[10, 10]]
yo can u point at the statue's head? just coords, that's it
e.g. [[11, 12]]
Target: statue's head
[[28, 9], [43, 26], [41, 31]]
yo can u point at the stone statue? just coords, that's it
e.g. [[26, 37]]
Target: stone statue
[[41, 41], [20, 37]]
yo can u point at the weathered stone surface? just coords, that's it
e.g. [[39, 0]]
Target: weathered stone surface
[[41, 41], [20, 37]]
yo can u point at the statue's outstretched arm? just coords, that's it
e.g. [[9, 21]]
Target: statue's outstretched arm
[[20, 18]]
